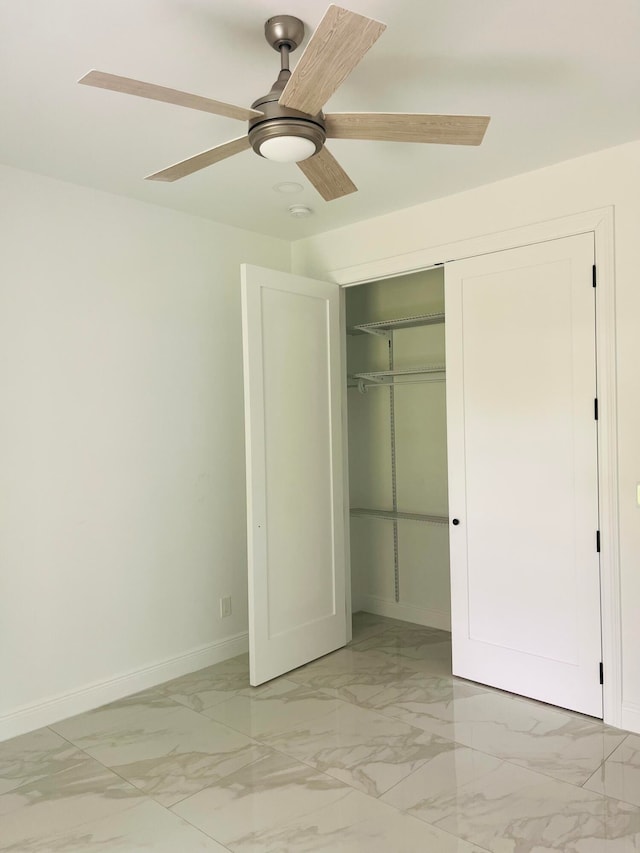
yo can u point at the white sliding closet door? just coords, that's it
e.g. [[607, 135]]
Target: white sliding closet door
[[296, 516], [522, 449]]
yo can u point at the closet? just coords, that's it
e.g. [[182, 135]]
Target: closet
[[511, 449], [397, 448]]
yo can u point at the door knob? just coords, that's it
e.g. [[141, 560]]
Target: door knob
[[456, 521]]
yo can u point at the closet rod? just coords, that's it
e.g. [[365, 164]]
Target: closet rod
[[398, 516], [362, 386]]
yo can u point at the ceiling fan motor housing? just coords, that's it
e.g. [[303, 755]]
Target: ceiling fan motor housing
[[279, 121]]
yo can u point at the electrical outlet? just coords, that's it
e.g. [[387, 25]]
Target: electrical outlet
[[225, 607]]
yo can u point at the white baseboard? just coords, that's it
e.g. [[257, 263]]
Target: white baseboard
[[630, 719], [406, 612], [51, 710]]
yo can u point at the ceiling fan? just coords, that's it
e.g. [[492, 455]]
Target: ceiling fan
[[288, 124]]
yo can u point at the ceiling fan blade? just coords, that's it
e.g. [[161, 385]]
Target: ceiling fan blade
[[327, 175], [334, 50], [405, 127], [201, 161], [114, 83]]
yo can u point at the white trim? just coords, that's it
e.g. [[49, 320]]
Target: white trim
[[406, 612], [630, 717], [431, 256], [611, 583], [345, 467], [31, 717], [601, 223]]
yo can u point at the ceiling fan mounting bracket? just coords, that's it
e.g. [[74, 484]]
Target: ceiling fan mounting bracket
[[284, 31]]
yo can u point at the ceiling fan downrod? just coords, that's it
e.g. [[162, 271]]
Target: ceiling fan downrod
[[285, 50]]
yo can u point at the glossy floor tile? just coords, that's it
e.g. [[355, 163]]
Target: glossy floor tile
[[279, 804], [145, 827], [337, 673], [619, 775], [427, 650], [58, 803], [367, 750], [167, 752], [365, 625], [375, 748], [205, 688], [566, 746], [403, 641], [35, 756], [505, 808], [275, 708]]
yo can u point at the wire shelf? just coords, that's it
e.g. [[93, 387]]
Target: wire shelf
[[381, 327], [382, 376]]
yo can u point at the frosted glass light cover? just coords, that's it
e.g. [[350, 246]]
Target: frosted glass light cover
[[287, 149]]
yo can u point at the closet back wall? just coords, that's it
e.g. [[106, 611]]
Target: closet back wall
[[421, 462]]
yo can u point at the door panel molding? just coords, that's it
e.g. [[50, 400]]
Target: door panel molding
[[295, 497], [522, 439], [600, 221]]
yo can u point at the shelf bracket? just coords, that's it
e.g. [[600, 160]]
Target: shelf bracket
[[378, 333]]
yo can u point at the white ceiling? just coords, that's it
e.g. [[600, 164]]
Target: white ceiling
[[560, 78]]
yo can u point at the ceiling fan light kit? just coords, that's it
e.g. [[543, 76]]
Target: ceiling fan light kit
[[287, 149], [287, 124]]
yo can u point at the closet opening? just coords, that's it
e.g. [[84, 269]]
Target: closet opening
[[397, 446]]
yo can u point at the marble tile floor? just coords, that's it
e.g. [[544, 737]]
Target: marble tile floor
[[375, 748]]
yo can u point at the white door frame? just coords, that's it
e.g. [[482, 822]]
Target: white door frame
[[600, 222]]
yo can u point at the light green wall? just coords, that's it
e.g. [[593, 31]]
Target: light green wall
[[121, 445]]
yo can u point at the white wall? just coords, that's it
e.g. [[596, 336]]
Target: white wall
[[122, 496], [610, 177]]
